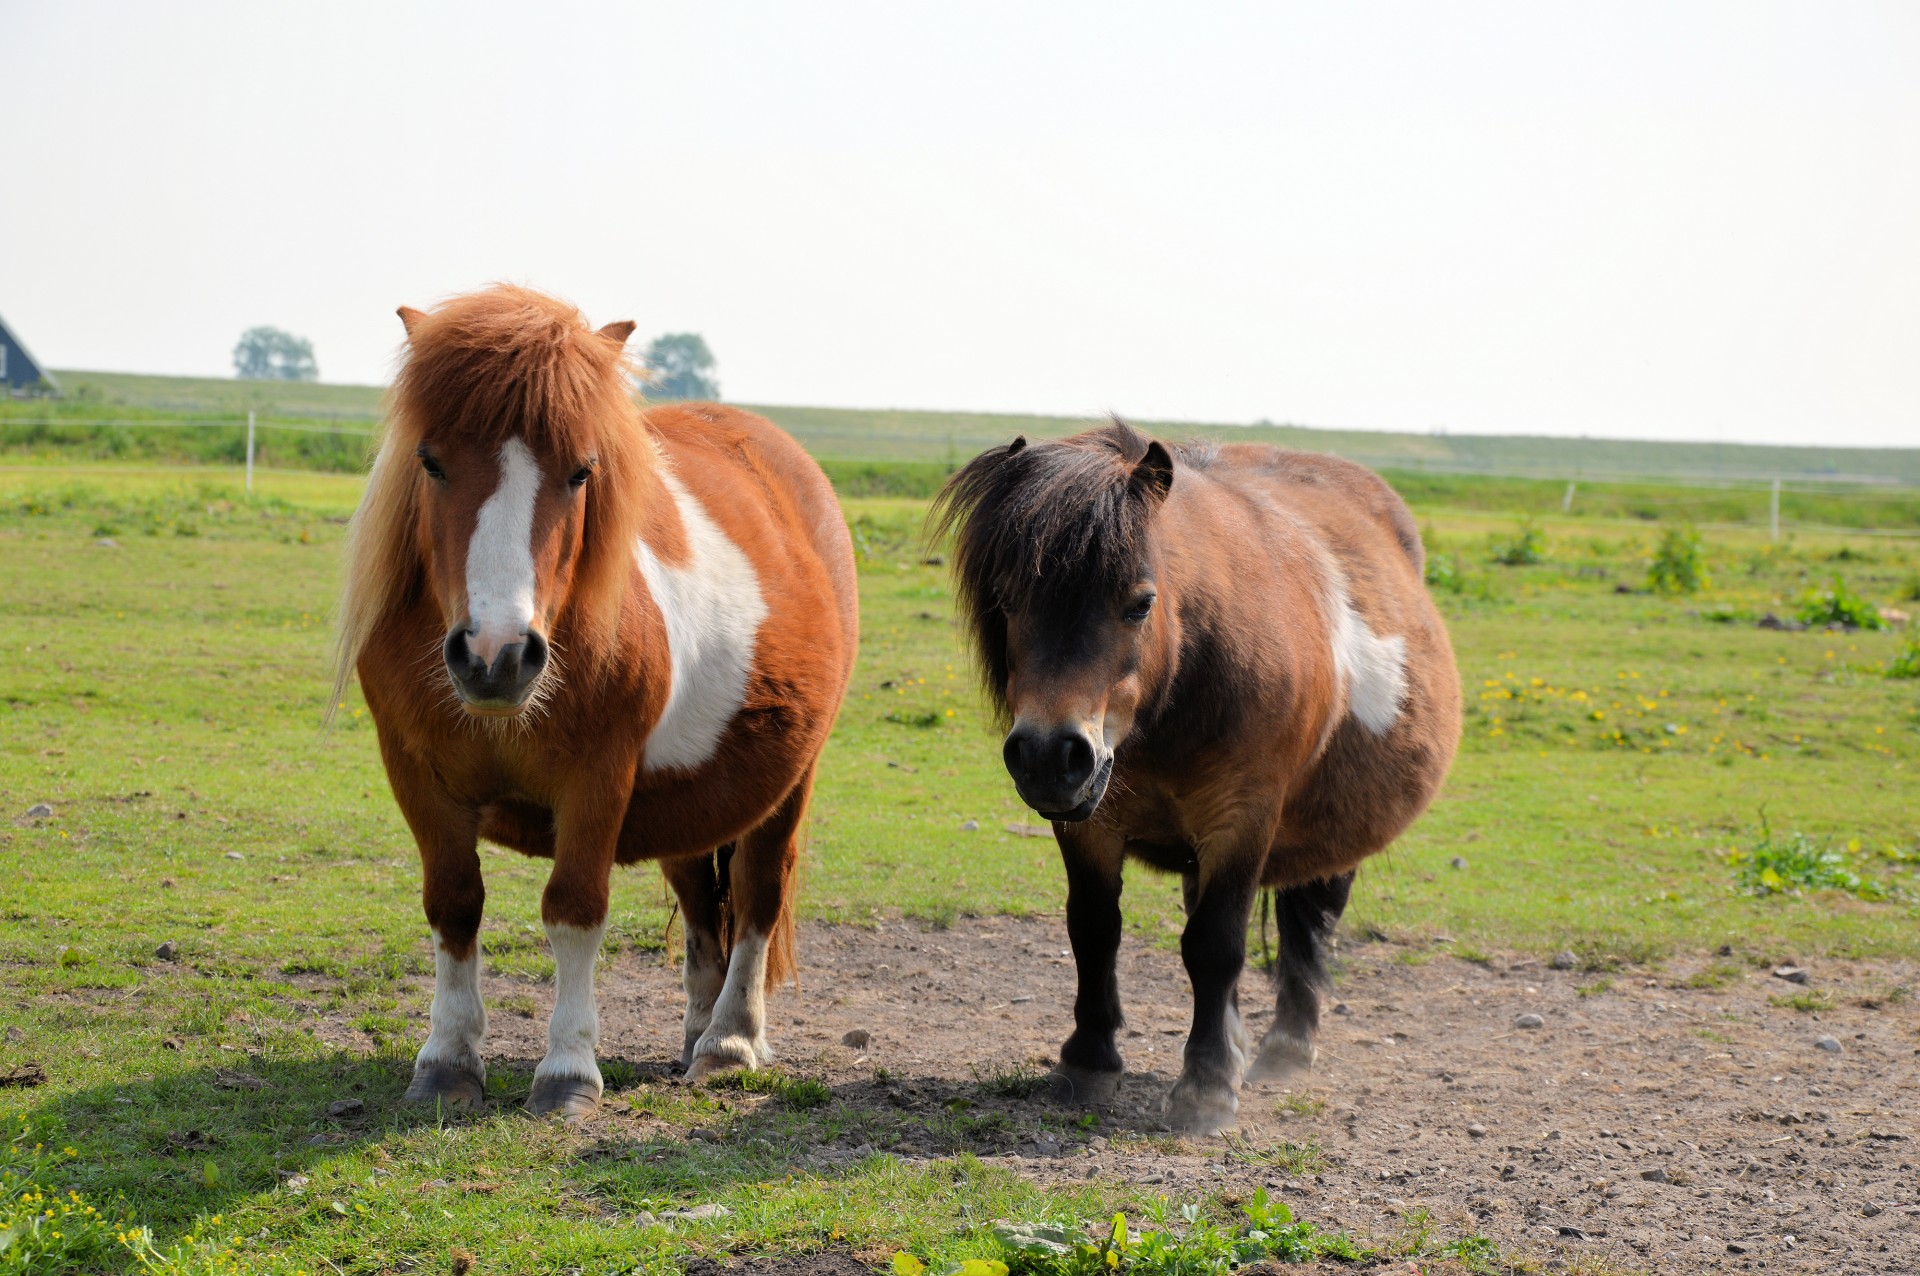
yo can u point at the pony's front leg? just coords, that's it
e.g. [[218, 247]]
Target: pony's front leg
[[1090, 1066], [1214, 949], [574, 908], [760, 899], [448, 1070]]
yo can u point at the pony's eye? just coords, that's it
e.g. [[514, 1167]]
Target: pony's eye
[[432, 467], [580, 477], [1139, 608]]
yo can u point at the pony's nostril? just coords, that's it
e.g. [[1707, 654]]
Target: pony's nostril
[[533, 654]]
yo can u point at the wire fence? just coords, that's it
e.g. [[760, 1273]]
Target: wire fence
[[1696, 491]]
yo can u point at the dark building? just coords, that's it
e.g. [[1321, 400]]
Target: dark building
[[19, 370]]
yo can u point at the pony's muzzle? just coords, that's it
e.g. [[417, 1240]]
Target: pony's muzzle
[[499, 684], [1061, 772]]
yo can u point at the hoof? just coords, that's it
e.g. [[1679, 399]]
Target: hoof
[[1281, 1056], [568, 1097], [447, 1085], [1201, 1108], [726, 1054], [1081, 1087]]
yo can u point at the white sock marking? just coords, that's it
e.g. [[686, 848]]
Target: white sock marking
[[741, 1012], [574, 1030], [713, 609], [500, 575], [704, 977], [458, 1018]]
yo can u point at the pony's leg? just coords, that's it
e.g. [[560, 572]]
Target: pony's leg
[[1214, 949], [448, 1070], [760, 902], [1239, 1044], [574, 908], [1090, 1066], [1305, 916], [696, 883]]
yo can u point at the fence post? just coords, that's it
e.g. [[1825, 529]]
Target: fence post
[[1773, 518], [249, 451], [1566, 503]]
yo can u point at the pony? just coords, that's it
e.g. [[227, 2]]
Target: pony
[[595, 632], [1220, 661]]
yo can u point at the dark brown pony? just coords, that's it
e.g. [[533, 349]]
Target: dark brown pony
[[1222, 662], [595, 634]]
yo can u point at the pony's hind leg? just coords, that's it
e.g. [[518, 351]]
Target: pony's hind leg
[[1305, 917], [760, 907], [698, 882], [1214, 948], [1090, 1066]]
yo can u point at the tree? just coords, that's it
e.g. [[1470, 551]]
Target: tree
[[680, 363], [268, 354]]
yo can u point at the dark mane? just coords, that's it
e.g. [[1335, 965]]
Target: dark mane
[[1055, 525]]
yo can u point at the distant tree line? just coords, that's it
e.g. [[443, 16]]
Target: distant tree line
[[269, 354]]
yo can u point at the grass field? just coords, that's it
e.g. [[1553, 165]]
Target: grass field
[[939, 438], [162, 690]]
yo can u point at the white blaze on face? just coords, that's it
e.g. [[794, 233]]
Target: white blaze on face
[[500, 576], [712, 607]]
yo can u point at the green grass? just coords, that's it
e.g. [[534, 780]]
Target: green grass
[[163, 693]]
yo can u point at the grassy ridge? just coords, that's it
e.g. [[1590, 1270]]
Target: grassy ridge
[[950, 437]]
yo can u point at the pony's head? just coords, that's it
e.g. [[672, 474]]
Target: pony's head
[[1057, 576], [506, 490]]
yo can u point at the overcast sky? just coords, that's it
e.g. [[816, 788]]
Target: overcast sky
[[1666, 220]]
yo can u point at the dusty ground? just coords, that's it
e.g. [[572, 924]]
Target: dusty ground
[[1649, 1123]]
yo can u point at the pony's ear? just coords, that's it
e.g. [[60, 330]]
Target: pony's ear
[[618, 331], [1019, 441], [1153, 476], [410, 318]]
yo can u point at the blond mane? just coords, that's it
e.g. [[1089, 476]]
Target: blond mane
[[502, 363]]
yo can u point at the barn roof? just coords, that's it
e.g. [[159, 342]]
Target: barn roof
[[46, 374]]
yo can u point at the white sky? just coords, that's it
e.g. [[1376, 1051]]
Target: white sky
[[1662, 220]]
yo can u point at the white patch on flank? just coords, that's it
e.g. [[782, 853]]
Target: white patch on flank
[[500, 558], [458, 1019], [1372, 669], [738, 1031], [713, 608], [574, 1030]]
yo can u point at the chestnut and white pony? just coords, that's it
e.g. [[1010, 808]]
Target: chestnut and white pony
[[597, 634]]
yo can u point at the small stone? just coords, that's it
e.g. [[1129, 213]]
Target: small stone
[[856, 1038], [39, 811], [1869, 1210], [1458, 861], [298, 1183], [1735, 1247], [1725, 950], [1529, 1021], [235, 855], [700, 1134], [1656, 1175], [341, 1109], [106, 542], [1342, 1008], [166, 951], [645, 1218], [1562, 960], [1476, 1130], [1792, 974], [1023, 999], [1572, 1233], [712, 1209], [1830, 1045], [970, 826]]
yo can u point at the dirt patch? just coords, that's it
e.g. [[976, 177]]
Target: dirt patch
[[1679, 1120]]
